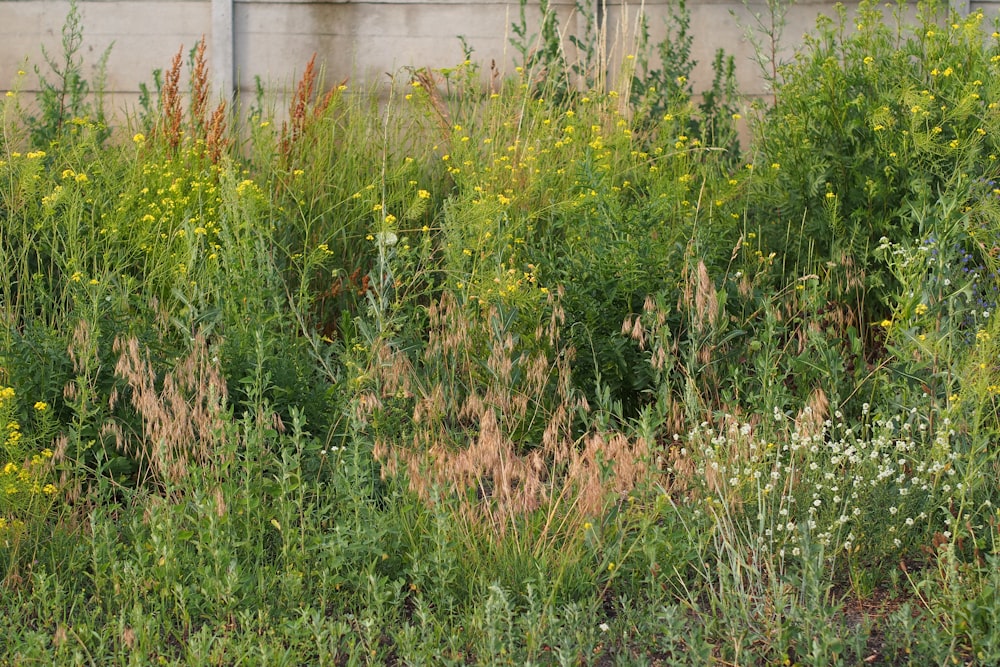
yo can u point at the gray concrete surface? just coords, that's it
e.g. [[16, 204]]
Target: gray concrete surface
[[364, 41]]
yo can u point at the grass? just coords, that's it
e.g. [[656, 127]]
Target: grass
[[511, 374]]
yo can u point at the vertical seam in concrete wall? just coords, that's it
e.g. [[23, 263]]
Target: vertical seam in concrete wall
[[221, 47]]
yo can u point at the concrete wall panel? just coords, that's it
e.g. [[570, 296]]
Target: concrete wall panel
[[370, 39], [143, 35], [362, 40]]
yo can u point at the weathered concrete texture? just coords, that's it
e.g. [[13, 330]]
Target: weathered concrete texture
[[143, 36], [366, 41], [371, 40], [739, 29], [991, 8]]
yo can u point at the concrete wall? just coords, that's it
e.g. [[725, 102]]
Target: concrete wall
[[364, 40], [143, 35]]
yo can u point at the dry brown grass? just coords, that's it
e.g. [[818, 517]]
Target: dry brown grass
[[499, 439], [810, 419], [183, 416]]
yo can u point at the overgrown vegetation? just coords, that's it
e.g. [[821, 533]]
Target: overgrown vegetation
[[541, 370]]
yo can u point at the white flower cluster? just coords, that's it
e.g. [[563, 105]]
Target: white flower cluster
[[874, 484]]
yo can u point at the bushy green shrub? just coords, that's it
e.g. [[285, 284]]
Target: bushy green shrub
[[873, 120]]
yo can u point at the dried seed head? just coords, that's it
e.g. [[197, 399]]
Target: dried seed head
[[170, 102], [706, 300], [182, 422], [199, 88]]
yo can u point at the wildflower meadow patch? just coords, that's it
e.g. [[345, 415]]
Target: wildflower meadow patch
[[544, 368]]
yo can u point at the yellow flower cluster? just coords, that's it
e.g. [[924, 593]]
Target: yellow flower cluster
[[173, 209], [24, 485], [26, 478]]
